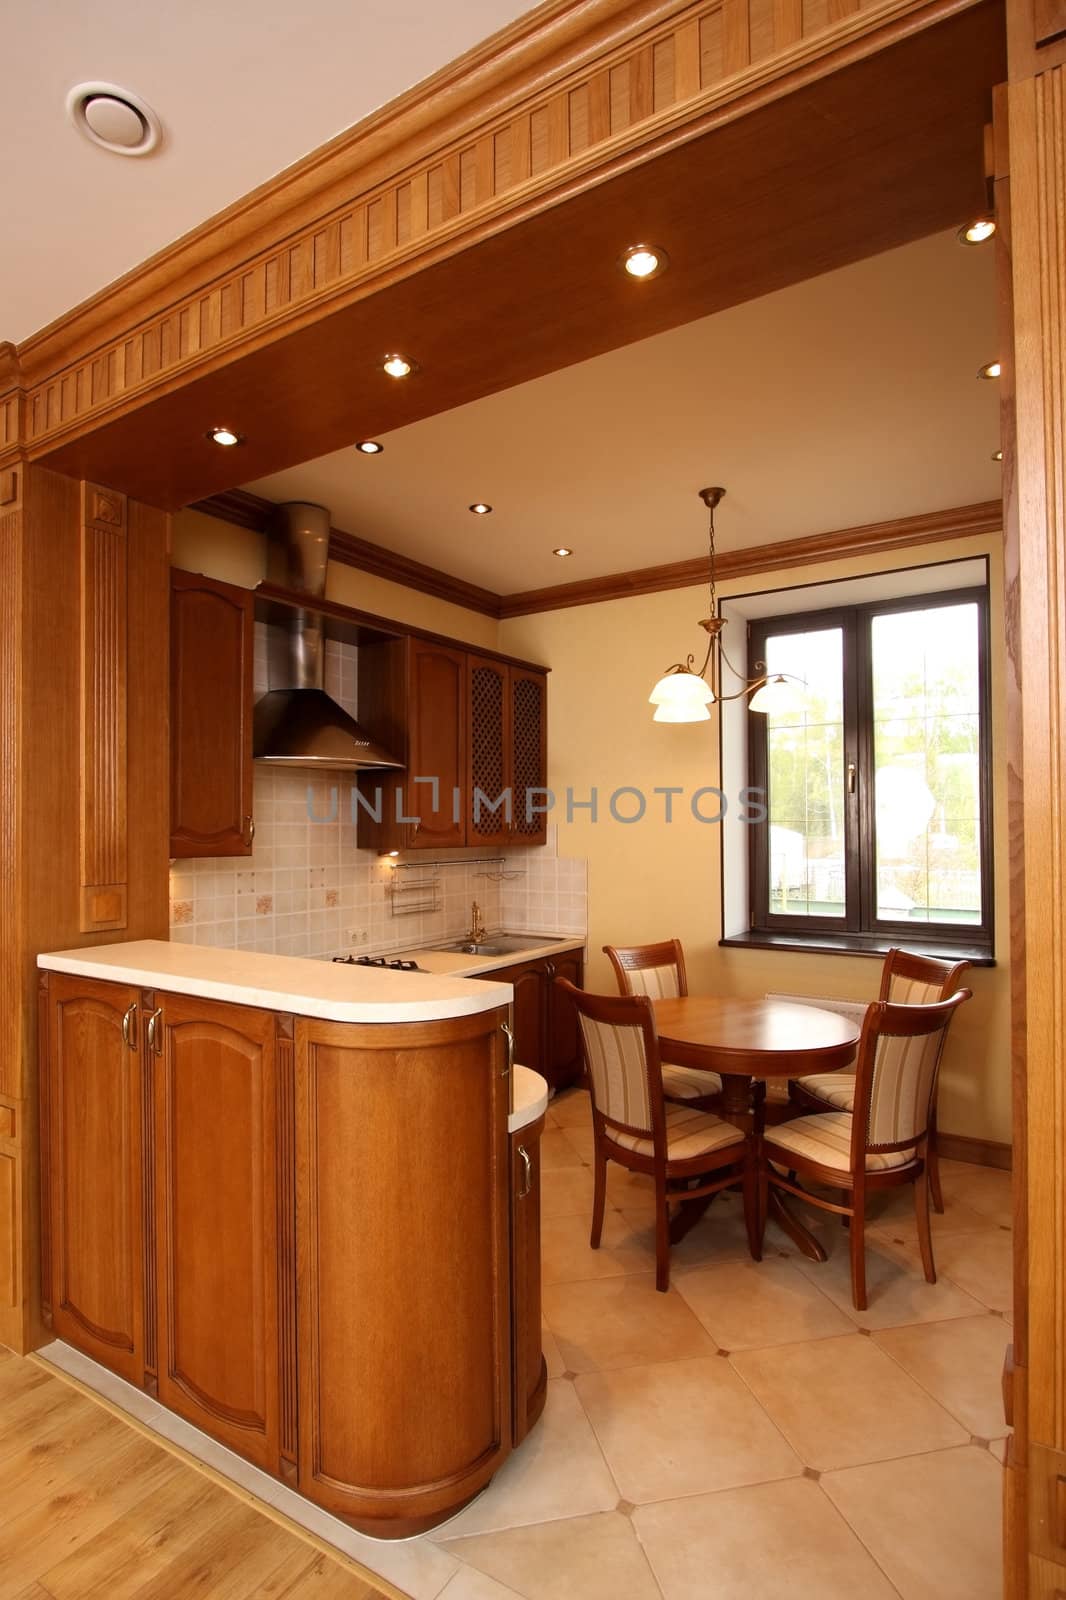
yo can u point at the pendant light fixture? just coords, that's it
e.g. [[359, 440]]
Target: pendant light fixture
[[683, 695]]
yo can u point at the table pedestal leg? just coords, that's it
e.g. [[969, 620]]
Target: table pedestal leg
[[736, 1108], [777, 1211]]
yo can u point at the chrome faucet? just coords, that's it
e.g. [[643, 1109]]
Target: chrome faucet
[[477, 927]]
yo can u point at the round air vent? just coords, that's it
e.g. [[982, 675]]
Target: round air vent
[[114, 118]]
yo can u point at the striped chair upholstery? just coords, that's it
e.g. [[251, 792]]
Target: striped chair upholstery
[[658, 970], [921, 982], [618, 1069], [826, 1138]]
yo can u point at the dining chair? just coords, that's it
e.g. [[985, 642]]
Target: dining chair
[[689, 1153], [906, 979], [658, 970], [883, 1141]]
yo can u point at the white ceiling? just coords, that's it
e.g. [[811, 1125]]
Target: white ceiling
[[849, 398], [243, 89]]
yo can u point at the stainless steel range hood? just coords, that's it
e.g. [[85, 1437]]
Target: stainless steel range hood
[[298, 724]]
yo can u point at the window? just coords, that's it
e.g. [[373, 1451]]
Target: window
[[877, 791]]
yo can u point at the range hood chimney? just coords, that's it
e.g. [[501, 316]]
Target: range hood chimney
[[299, 725]]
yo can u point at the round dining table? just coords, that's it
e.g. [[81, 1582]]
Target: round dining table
[[746, 1042]]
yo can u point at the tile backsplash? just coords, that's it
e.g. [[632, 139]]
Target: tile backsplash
[[308, 890]]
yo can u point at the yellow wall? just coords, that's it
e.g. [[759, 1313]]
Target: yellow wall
[[235, 555], [650, 880]]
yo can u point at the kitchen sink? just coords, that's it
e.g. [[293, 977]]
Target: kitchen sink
[[499, 944]]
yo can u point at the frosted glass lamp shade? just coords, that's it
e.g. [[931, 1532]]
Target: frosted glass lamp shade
[[680, 690], [777, 698], [689, 712]]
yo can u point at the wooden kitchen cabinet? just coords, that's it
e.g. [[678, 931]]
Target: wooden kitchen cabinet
[[507, 752], [412, 697], [92, 1098], [223, 1222], [211, 653], [312, 1240], [530, 1381], [547, 1034], [402, 1231]]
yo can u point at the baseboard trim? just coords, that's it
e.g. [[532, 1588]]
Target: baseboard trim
[[982, 1152]]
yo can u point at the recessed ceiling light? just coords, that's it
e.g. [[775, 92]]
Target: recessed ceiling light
[[398, 366], [562, 550], [643, 261], [369, 447], [997, 455], [977, 231], [479, 508], [991, 369], [114, 118], [225, 436]]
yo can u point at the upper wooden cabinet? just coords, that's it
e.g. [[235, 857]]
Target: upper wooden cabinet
[[508, 753], [211, 652], [473, 723]]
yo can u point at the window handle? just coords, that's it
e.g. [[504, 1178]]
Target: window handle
[[851, 777]]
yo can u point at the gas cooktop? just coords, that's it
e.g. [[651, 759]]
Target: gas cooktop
[[378, 961]]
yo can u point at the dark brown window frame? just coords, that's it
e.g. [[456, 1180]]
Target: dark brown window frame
[[860, 927]]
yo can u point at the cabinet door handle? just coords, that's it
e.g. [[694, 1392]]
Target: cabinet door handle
[[527, 1173], [153, 1032], [248, 830], [549, 970], [129, 1027], [508, 1032]]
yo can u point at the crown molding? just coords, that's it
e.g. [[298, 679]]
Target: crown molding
[[248, 510]]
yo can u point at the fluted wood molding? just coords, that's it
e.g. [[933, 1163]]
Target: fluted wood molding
[[103, 710], [578, 91]]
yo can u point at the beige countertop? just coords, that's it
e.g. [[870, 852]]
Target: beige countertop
[[288, 983]]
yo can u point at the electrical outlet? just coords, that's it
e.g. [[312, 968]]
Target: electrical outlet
[[357, 936]]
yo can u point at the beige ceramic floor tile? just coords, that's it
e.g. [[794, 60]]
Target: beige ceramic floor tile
[[566, 1255], [844, 1402], [556, 1151], [470, 1585], [982, 1264], [571, 1108], [684, 1427], [581, 1558], [621, 1322], [901, 1225], [630, 1191], [896, 1290], [558, 1471], [778, 1541], [982, 1189], [960, 1363], [567, 1192], [581, 1140], [720, 1235], [553, 1360], [745, 1305], [931, 1521]]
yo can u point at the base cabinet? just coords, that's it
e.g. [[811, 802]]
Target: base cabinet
[[93, 1270], [530, 1386], [299, 1235], [547, 1034], [220, 1102], [404, 1316]]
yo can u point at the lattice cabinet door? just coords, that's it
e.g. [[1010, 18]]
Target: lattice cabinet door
[[529, 755], [490, 796]]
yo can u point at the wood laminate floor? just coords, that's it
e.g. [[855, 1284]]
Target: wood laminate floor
[[93, 1509]]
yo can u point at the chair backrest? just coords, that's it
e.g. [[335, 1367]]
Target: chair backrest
[[657, 970], [622, 1060], [895, 1075], [910, 980]]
